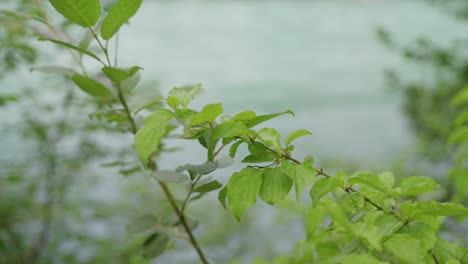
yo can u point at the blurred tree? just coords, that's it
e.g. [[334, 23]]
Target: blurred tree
[[426, 101]]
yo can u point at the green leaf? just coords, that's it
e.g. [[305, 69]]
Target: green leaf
[[426, 235], [461, 97], [244, 116], [208, 187], [323, 187], [5, 99], [228, 129], [119, 14], [117, 75], [263, 118], [445, 251], [222, 196], [82, 12], [234, 147], [351, 202], [338, 215], [415, 185], [148, 137], [90, 86], [460, 135], [358, 259], [155, 245], [199, 169], [433, 208], [302, 174], [368, 179], [169, 176], [111, 116], [242, 190], [314, 219], [462, 118], [387, 224], [182, 96], [275, 185], [271, 138], [208, 114], [387, 178], [406, 248], [295, 135], [305, 176], [70, 46], [258, 154], [131, 83]]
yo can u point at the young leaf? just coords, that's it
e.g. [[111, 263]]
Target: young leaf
[[200, 169], [82, 12], [234, 147], [131, 83], [302, 174], [208, 187], [222, 196], [208, 114], [305, 176], [169, 176], [182, 96], [149, 136], [387, 178], [338, 216], [322, 187], [313, 220], [270, 137], [263, 118], [90, 86], [119, 75], [258, 153], [275, 185], [244, 116], [242, 190], [423, 232], [119, 14], [358, 259], [228, 129], [433, 208], [155, 245], [405, 248], [445, 251], [368, 179], [294, 135], [415, 185], [70, 46]]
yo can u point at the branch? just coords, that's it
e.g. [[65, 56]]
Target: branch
[[346, 189], [152, 165]]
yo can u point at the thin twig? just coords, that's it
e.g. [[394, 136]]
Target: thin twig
[[191, 188], [152, 165], [346, 189], [104, 49], [434, 257]]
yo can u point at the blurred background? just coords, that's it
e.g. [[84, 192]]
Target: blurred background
[[372, 80]]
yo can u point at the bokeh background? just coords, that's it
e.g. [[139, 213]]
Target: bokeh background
[[371, 79]]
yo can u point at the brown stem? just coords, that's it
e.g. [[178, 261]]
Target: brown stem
[[434, 257], [346, 189], [182, 219], [164, 187]]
